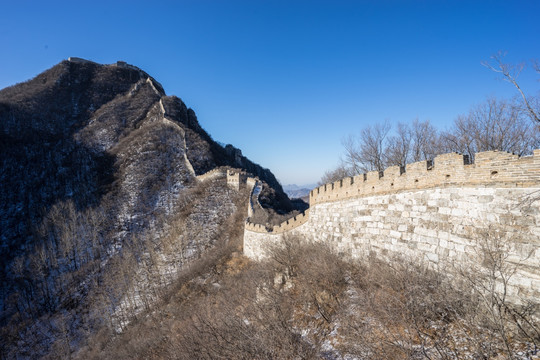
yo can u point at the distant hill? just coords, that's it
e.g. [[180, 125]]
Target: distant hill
[[298, 192]]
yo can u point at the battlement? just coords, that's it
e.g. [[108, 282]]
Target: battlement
[[442, 212], [452, 169], [491, 168], [74, 59], [287, 225], [255, 227], [292, 223], [213, 174]]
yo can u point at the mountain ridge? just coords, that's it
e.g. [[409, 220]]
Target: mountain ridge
[[98, 169], [91, 110]]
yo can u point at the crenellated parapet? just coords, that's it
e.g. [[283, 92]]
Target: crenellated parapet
[[491, 168], [444, 212], [216, 173], [292, 223], [255, 227], [453, 169], [285, 226]]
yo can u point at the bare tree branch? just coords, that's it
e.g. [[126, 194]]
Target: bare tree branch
[[510, 73]]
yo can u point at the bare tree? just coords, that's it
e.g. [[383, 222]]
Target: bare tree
[[375, 150], [340, 172], [459, 138], [415, 142], [492, 125], [510, 73], [398, 148], [367, 153], [425, 141]]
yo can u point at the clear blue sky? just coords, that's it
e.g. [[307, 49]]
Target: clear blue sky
[[285, 81]]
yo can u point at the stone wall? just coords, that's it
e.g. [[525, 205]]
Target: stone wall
[[74, 59], [220, 172], [491, 168], [442, 212]]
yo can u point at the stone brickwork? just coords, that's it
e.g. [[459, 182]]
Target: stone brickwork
[[440, 212], [237, 179], [216, 173], [491, 168]]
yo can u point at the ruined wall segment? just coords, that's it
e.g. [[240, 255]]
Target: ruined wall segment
[[441, 212], [216, 173], [236, 179]]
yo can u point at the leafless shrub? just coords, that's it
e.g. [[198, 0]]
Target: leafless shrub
[[307, 302], [492, 125], [490, 279]]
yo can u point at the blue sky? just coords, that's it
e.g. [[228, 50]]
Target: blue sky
[[286, 81]]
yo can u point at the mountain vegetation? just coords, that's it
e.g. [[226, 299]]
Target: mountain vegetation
[[307, 302], [100, 207], [113, 247], [493, 125]]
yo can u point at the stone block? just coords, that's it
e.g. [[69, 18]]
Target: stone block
[[432, 257], [457, 212], [443, 243], [445, 210], [459, 248], [402, 227], [432, 233]]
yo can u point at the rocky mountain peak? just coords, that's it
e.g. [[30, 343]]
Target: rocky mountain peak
[[97, 162], [81, 127]]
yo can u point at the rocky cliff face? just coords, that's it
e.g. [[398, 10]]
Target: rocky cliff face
[[98, 167]]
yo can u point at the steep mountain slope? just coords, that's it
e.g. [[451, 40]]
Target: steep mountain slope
[[99, 203]]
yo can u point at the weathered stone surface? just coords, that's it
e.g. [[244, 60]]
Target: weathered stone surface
[[439, 223]]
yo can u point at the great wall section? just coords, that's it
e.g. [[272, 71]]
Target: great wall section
[[443, 212]]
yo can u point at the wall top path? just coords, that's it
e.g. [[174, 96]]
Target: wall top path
[[490, 169]]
